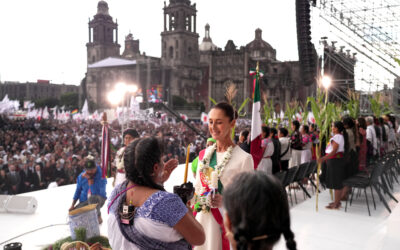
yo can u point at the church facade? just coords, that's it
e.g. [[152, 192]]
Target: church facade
[[186, 69]]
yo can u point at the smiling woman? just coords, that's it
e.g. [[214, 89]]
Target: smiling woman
[[216, 168]]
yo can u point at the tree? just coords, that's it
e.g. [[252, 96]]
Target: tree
[[70, 100], [49, 102]]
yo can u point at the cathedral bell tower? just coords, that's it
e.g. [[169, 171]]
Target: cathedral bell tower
[[179, 39], [103, 35]]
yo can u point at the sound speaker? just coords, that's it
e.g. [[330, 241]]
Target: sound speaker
[[21, 204], [307, 53], [3, 202]]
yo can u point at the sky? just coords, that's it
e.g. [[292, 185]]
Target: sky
[[46, 39]]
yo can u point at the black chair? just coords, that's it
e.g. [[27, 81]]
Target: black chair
[[372, 182], [291, 174], [281, 176], [312, 169], [300, 175]]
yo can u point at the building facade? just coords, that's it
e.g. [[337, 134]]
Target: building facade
[[35, 90], [186, 69]]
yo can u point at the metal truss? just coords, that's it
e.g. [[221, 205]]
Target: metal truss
[[370, 28]]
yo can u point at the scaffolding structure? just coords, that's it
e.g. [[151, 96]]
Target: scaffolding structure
[[370, 29]]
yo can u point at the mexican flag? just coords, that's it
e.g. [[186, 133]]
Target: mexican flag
[[255, 146]]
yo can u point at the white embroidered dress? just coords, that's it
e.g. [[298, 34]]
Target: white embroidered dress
[[239, 162]]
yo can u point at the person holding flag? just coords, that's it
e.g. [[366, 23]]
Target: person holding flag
[[216, 167]]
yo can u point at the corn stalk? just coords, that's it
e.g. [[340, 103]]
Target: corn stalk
[[353, 105], [268, 110], [376, 107], [230, 94], [324, 113], [291, 110], [304, 114]]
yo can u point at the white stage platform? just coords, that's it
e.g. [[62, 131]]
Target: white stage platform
[[326, 229]]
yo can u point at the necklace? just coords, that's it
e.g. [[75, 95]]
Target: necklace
[[207, 189], [205, 163]]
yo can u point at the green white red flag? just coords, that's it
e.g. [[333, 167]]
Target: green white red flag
[[256, 123]]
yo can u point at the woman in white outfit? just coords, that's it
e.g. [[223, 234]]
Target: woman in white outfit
[[268, 150], [217, 167], [307, 144]]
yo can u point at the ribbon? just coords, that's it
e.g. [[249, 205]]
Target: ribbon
[[215, 211]]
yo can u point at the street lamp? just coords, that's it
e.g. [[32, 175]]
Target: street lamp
[[119, 94], [326, 82], [114, 98]]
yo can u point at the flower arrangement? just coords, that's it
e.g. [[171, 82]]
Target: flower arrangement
[[209, 178]]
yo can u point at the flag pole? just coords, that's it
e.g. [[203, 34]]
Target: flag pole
[[105, 148]]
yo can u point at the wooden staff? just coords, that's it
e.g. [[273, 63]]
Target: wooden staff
[[187, 163]]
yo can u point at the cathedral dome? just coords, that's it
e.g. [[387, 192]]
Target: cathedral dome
[[260, 49], [207, 43], [102, 8]]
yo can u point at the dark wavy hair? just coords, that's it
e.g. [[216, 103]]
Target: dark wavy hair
[[258, 207], [296, 124], [339, 125], [362, 123], [266, 130], [139, 159], [306, 129]]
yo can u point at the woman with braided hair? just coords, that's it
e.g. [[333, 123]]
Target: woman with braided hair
[[142, 215], [257, 213]]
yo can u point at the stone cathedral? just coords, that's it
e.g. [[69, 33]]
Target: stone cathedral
[[186, 69]]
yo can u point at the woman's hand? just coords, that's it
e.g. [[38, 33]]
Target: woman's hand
[[216, 201], [321, 160], [169, 166]]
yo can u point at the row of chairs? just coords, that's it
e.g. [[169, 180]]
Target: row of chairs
[[296, 175], [380, 176]]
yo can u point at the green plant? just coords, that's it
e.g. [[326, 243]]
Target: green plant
[[230, 94], [57, 245], [101, 239], [80, 233], [212, 100], [291, 110], [353, 104], [376, 107], [268, 107]]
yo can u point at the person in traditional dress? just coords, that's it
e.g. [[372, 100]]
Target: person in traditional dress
[[195, 162], [372, 142], [257, 212], [335, 162], [221, 162], [306, 154], [362, 153], [142, 215], [275, 157], [351, 165], [285, 148], [391, 120], [268, 150], [296, 144], [128, 136], [244, 141]]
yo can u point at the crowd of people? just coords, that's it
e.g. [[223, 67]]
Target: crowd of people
[[37, 154], [353, 144], [221, 215], [40, 154]]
